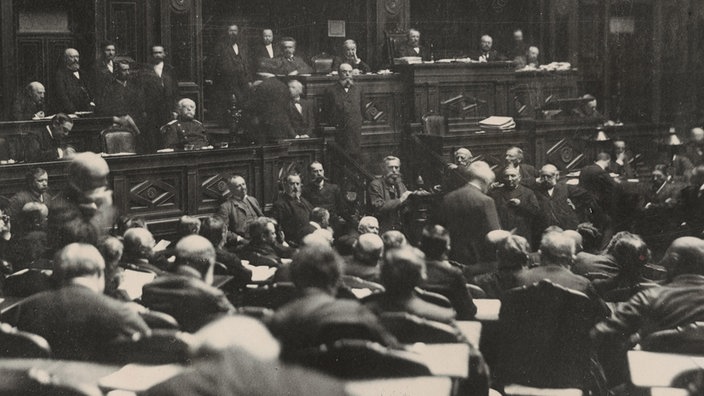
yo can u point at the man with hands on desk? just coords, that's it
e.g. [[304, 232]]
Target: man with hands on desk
[[50, 144]]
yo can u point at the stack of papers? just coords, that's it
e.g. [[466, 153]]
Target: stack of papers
[[408, 60], [139, 377], [496, 123], [259, 273], [133, 281]]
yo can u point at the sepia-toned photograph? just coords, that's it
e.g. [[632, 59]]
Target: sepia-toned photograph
[[360, 197]]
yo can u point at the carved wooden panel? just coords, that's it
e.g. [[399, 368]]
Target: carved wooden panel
[[467, 100], [565, 155], [149, 193], [125, 23], [212, 184]]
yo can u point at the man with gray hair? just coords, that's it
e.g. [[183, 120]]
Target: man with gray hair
[[469, 214], [343, 103], [185, 132], [364, 262], [514, 157], [301, 112], [29, 103], [239, 211], [412, 47], [349, 55], [77, 319], [389, 196]]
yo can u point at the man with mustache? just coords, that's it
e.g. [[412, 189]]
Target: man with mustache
[[232, 74], [291, 210], [389, 196], [320, 193], [343, 102], [516, 204], [72, 93], [412, 47], [160, 87]]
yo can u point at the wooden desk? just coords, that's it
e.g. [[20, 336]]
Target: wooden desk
[[652, 369], [7, 303], [13, 372], [480, 89]]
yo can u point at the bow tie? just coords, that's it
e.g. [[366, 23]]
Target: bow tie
[[297, 100]]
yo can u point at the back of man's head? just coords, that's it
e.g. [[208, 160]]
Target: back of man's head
[[368, 224], [403, 270], [512, 252], [393, 239], [368, 249], [435, 242], [478, 172], [188, 225], [138, 243], [213, 229], [316, 266], [557, 249], [198, 253], [684, 256], [76, 261]]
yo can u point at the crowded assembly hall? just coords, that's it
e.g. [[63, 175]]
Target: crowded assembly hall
[[327, 197]]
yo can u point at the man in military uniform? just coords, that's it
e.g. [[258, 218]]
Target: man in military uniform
[[184, 132]]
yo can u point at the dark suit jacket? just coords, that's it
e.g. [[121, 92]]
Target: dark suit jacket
[[361, 66], [469, 215], [77, 322], [259, 52], [528, 175], [192, 302], [285, 66], [72, 94], [344, 111], [404, 50], [160, 94], [448, 280], [303, 122], [695, 153], [300, 323], [387, 205], [233, 212], [269, 104], [24, 108], [42, 147], [232, 71], [292, 216], [587, 263], [598, 182], [118, 100], [102, 76], [329, 197], [493, 55], [384, 302], [521, 217], [556, 209], [559, 276]]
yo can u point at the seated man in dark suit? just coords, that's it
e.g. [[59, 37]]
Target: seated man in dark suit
[[678, 302], [389, 196], [291, 210], [403, 270], [288, 63], [512, 257], [49, 144], [139, 251], [29, 103], [215, 231], [301, 112], [239, 211], [557, 254], [300, 324], [444, 276], [365, 259], [349, 55], [264, 247], [36, 190], [412, 47], [77, 319], [184, 132], [187, 295], [514, 157], [486, 53], [322, 193]]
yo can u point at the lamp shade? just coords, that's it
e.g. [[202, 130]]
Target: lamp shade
[[672, 139], [601, 136]]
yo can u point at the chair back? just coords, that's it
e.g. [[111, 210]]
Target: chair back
[[410, 329], [159, 320], [21, 344], [433, 297], [687, 339], [355, 282], [476, 291], [549, 324], [118, 141], [322, 63], [358, 359], [161, 347], [270, 296]]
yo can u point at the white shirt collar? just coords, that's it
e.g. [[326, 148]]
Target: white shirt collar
[[159, 68]]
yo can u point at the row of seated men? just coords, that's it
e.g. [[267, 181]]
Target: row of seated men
[[78, 219]]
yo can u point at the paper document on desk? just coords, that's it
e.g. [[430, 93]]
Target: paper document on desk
[[133, 281], [445, 360], [260, 273], [139, 377], [162, 245]]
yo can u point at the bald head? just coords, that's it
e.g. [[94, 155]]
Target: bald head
[[684, 256], [576, 237], [80, 261], [36, 91], [480, 174], [138, 243], [368, 249], [88, 171], [549, 175], [462, 156], [697, 135], [71, 59], [198, 253], [556, 248]]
